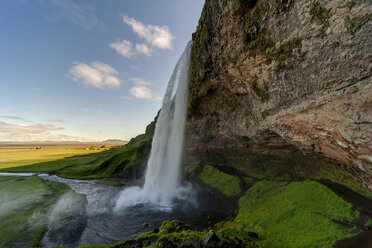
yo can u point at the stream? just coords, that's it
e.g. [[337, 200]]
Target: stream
[[87, 217]]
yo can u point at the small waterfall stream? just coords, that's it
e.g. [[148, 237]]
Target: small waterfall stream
[[163, 173]]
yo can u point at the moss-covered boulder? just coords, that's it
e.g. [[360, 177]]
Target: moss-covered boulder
[[223, 183], [297, 214]]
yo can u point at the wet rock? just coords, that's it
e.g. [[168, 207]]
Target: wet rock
[[166, 243], [211, 239]]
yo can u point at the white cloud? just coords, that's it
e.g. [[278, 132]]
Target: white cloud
[[94, 111], [96, 74], [123, 48], [13, 117], [35, 132], [143, 49], [158, 36], [140, 89]]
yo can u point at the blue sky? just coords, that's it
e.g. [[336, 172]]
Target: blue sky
[[87, 69]]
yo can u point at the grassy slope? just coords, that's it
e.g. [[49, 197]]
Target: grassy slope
[[23, 203], [117, 161], [298, 214]]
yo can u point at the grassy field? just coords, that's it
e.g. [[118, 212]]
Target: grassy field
[[77, 162], [21, 155]]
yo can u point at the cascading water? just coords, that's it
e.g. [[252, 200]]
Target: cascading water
[[164, 166], [163, 173]]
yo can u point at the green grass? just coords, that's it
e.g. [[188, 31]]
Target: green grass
[[23, 203], [21, 155], [61, 163], [223, 183], [116, 161], [297, 214]]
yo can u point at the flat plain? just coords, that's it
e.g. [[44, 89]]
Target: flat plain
[[16, 155]]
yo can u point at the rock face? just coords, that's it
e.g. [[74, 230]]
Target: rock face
[[300, 70]]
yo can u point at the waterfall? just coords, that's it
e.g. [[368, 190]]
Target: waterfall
[[163, 174]]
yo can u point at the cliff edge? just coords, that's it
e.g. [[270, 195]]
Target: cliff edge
[[294, 71]]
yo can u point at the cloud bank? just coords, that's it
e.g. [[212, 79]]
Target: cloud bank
[[34, 132], [13, 117]]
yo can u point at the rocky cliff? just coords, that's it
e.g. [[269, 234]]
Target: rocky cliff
[[294, 72]]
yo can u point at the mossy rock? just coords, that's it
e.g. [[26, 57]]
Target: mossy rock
[[297, 214], [223, 183], [173, 226], [355, 24]]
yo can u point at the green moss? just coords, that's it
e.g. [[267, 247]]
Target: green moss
[[319, 12], [368, 223], [298, 214], [270, 50], [321, 15], [251, 32], [38, 237], [23, 207], [170, 230], [355, 24], [173, 226], [281, 163], [223, 183]]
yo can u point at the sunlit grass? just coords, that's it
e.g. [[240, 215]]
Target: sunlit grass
[[15, 156]]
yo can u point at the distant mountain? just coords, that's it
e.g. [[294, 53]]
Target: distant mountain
[[114, 141]]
